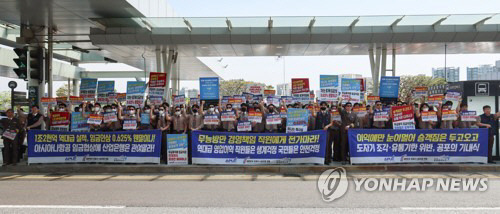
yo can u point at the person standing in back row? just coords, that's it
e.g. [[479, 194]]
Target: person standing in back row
[[490, 121], [10, 138]]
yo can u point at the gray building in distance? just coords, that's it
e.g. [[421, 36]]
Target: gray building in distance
[[451, 74]]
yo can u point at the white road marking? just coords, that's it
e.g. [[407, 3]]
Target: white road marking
[[450, 208], [59, 207]]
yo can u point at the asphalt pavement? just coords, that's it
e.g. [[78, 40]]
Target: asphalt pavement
[[229, 193]]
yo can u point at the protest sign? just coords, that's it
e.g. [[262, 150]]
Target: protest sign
[[300, 85], [88, 89], [209, 88], [177, 149], [389, 87]]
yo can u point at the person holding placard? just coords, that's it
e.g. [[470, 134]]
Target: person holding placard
[[146, 117], [447, 115], [163, 120], [211, 119], [334, 133], [272, 118], [228, 117], [378, 116], [427, 118], [94, 119], [129, 116], [323, 121], [10, 137], [466, 118]]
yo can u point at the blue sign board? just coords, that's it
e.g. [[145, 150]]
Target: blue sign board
[[209, 88], [351, 84], [328, 81], [105, 86], [136, 87], [389, 87]]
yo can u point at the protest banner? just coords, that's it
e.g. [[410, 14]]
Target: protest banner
[[418, 146], [288, 100], [244, 126], [303, 98], [46, 101], [95, 119], [262, 148], [371, 100], [283, 112], [157, 80], [359, 111], [348, 84], [135, 93], [468, 116], [429, 116], [351, 96], [420, 92], [194, 101], [228, 116], [79, 123], [156, 95], [59, 121], [328, 94], [389, 87], [235, 102], [177, 149], [336, 115], [75, 100], [103, 147], [254, 116], [402, 117], [145, 118], [255, 89], [328, 81], [273, 119], [110, 117], [121, 97], [179, 100], [269, 92], [130, 124], [103, 89], [300, 85], [435, 100], [297, 120], [448, 115], [381, 116], [209, 88], [88, 89], [274, 101], [211, 119], [453, 96]]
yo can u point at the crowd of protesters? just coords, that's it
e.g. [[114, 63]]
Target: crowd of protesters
[[337, 119]]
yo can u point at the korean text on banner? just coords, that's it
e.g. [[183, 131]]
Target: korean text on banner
[[209, 88], [300, 85], [177, 149], [88, 89], [254, 149], [418, 146], [389, 87]]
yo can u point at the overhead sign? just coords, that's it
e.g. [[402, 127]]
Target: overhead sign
[[209, 88], [389, 87]]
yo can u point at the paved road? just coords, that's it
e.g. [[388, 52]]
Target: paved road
[[226, 194]]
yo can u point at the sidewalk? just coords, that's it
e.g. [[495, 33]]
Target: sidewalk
[[222, 169]]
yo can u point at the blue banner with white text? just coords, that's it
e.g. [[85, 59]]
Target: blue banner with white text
[[418, 146], [262, 148], [106, 147]]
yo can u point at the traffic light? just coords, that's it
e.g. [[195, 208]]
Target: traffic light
[[37, 63], [22, 62]]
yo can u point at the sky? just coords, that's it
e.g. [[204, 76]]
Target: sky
[[270, 70]]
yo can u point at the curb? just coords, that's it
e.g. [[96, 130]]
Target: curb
[[224, 169]]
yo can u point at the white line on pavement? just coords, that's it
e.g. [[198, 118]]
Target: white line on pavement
[[60, 207], [450, 208]]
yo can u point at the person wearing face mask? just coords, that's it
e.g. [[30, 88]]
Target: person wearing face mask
[[349, 121], [111, 124], [424, 107], [446, 123], [229, 126], [10, 138], [96, 110], [196, 117], [35, 119], [373, 110], [334, 133], [210, 112], [179, 121], [270, 111], [145, 117], [129, 117], [163, 124], [323, 122], [463, 108]]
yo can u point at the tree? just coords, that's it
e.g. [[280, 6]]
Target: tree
[[62, 91], [408, 84], [5, 98], [236, 86]]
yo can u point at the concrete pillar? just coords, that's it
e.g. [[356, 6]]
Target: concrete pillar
[[167, 66], [158, 60], [76, 87], [393, 61], [49, 62], [174, 79], [384, 60]]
